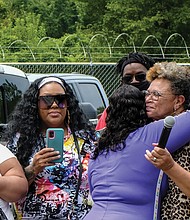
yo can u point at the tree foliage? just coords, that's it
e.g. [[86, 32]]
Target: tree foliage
[[93, 26]]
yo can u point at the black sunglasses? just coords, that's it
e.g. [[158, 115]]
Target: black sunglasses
[[138, 77], [45, 102]]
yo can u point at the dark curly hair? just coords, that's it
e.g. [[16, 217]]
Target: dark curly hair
[[134, 57], [126, 113], [26, 121]]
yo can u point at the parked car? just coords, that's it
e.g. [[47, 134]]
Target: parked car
[[88, 90], [13, 83]]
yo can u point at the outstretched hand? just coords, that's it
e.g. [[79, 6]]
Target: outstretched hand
[[160, 158]]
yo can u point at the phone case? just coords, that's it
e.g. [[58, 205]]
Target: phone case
[[55, 139]]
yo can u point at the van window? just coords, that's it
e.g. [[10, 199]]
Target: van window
[[1, 105], [90, 93], [11, 90]]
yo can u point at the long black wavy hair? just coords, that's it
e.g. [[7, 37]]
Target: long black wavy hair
[[26, 121], [126, 113]]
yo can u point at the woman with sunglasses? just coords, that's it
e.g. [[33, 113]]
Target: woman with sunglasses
[[56, 190], [132, 71]]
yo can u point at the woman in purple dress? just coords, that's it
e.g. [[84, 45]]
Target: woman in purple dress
[[123, 184]]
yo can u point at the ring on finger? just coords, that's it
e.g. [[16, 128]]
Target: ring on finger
[[154, 159]]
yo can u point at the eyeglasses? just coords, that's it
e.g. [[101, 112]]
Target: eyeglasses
[[45, 102], [138, 77], [154, 94]]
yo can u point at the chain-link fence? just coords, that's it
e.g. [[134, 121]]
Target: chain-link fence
[[104, 72]]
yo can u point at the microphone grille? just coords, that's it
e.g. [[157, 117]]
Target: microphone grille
[[169, 121]]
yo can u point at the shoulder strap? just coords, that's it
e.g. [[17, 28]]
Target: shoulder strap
[[157, 195], [80, 171]]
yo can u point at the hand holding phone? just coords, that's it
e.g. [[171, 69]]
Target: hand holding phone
[[55, 139]]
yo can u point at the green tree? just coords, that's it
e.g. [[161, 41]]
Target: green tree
[[147, 24], [58, 16], [91, 13], [140, 18], [152, 20]]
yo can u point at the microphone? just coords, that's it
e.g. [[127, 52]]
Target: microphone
[[169, 122]]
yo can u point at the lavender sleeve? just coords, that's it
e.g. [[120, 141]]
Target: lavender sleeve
[[179, 136]]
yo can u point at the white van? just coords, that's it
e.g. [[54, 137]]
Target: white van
[[13, 83]]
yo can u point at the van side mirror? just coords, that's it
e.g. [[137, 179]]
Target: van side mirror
[[89, 110]]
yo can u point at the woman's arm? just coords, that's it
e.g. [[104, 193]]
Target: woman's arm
[[13, 184], [181, 177], [162, 159]]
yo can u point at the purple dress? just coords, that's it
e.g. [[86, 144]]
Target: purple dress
[[123, 184]]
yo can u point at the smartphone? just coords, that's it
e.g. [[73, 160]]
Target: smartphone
[[55, 139]]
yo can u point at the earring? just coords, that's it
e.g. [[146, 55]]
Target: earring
[[175, 109], [68, 117], [174, 112]]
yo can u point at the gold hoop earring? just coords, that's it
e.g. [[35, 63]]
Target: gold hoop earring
[[68, 117]]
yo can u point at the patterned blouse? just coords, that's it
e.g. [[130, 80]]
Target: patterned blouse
[[51, 195]]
